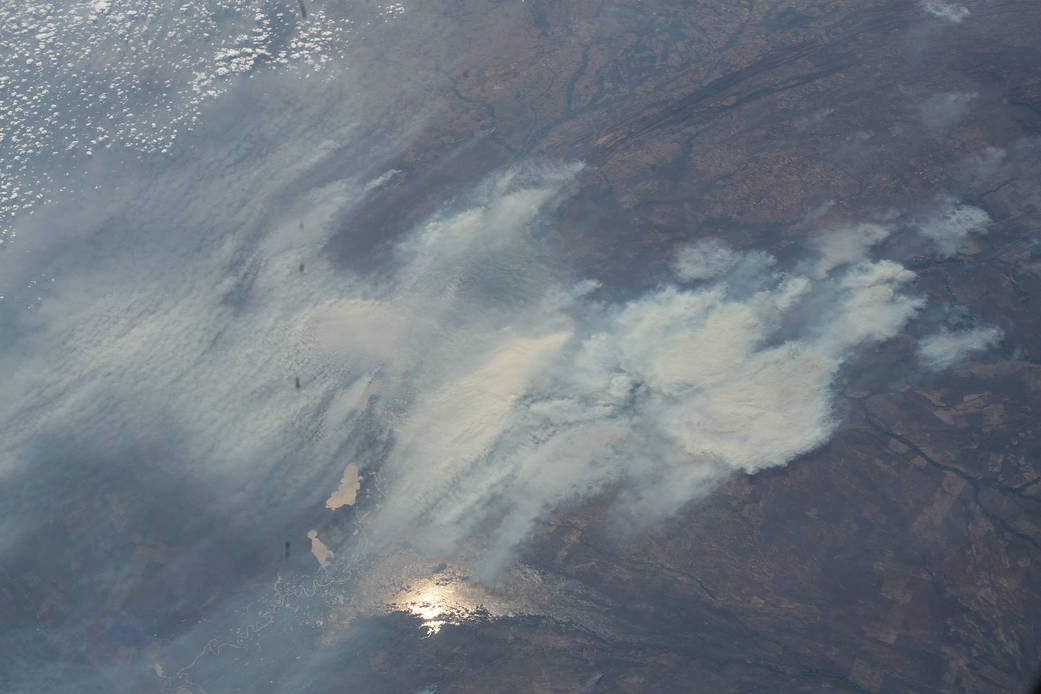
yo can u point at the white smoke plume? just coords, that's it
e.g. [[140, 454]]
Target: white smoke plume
[[941, 111], [704, 260], [176, 341], [946, 349], [524, 394], [947, 11], [503, 387], [949, 225]]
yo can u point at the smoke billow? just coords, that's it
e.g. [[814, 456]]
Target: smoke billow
[[947, 11], [515, 390], [941, 111], [949, 224], [500, 385], [946, 348], [470, 374]]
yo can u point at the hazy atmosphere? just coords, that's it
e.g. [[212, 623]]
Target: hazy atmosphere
[[520, 346]]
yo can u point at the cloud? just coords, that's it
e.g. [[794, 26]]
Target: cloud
[[96, 54], [946, 10], [949, 224], [946, 349], [941, 111]]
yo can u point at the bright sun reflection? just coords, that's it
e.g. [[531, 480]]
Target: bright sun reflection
[[431, 606], [436, 601], [449, 597]]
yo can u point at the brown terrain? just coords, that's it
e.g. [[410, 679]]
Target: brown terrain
[[905, 555]]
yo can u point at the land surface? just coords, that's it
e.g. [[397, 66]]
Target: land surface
[[903, 556]]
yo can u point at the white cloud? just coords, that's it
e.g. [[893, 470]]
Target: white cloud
[[946, 10], [946, 349]]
